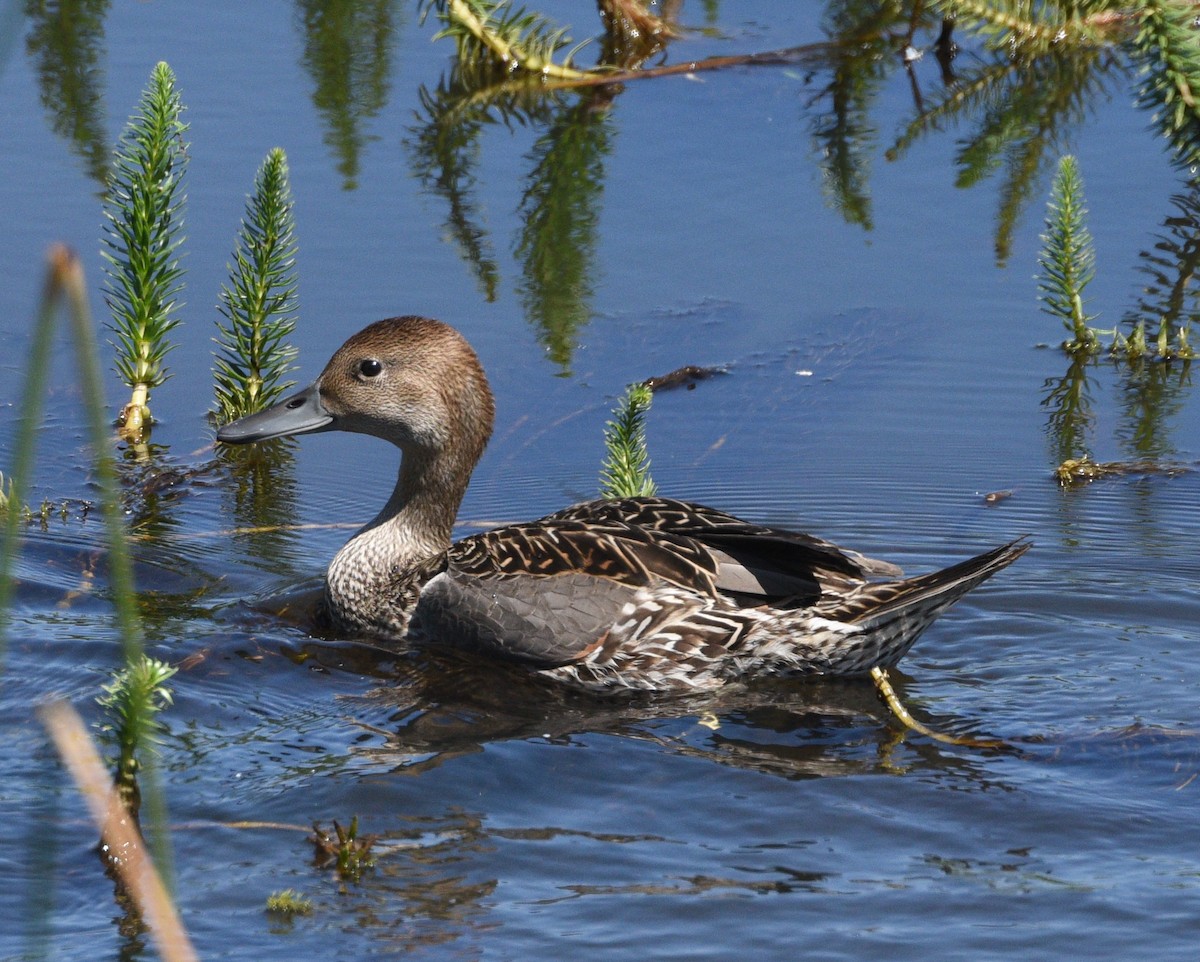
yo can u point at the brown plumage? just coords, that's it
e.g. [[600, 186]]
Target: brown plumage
[[647, 593]]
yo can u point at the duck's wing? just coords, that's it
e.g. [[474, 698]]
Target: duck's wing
[[543, 621], [607, 548], [551, 591], [754, 561], [548, 591]]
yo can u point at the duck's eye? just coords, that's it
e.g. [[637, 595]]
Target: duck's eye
[[370, 367]]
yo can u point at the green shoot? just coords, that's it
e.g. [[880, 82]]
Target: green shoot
[[133, 699], [142, 891], [260, 301], [350, 854], [143, 210], [625, 472], [1068, 259]]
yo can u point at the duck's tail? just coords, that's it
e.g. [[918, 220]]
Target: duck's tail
[[877, 624]]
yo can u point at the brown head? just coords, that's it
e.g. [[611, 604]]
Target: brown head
[[410, 380]]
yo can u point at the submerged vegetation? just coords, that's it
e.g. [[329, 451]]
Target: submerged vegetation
[[348, 852], [289, 902]]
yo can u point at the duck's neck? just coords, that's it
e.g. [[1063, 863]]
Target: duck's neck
[[366, 579]]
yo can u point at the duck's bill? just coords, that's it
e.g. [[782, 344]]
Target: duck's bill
[[302, 413]]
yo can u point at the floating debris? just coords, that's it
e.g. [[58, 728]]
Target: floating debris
[[687, 376], [1084, 470]]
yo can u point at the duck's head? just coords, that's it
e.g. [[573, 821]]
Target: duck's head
[[410, 380]]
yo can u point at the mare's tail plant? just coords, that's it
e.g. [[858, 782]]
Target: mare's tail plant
[[625, 472], [259, 304], [1068, 259], [132, 701], [143, 211]]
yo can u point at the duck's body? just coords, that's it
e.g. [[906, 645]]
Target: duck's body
[[645, 593]]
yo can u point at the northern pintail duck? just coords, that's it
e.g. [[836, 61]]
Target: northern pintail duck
[[641, 593]]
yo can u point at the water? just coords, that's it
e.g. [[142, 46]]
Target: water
[[880, 383]]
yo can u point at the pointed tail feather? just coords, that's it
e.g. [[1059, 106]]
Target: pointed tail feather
[[879, 624], [937, 590]]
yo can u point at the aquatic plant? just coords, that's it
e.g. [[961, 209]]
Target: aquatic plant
[[350, 853], [625, 472], [1170, 298], [65, 283], [259, 303], [1068, 258], [132, 700], [9, 500], [143, 211], [289, 902], [1068, 265]]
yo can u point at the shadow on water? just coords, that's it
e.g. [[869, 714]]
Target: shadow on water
[[433, 706]]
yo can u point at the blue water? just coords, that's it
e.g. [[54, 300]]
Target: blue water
[[880, 383]]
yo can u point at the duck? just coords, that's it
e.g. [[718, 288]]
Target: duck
[[644, 593]]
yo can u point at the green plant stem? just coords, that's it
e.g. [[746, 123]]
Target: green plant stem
[[65, 282], [32, 396], [120, 562], [1068, 257]]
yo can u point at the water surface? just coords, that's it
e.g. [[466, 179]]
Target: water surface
[[883, 374]]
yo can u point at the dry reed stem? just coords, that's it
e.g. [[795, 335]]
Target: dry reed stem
[[118, 831]]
